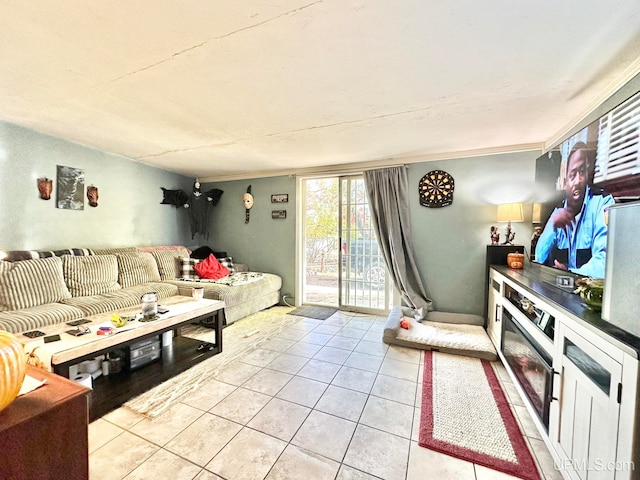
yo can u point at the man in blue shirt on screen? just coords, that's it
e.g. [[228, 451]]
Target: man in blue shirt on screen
[[575, 237]]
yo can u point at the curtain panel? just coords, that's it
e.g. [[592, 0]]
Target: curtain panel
[[387, 189]]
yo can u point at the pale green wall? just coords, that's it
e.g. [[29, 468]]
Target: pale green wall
[[264, 244], [450, 242], [128, 211]]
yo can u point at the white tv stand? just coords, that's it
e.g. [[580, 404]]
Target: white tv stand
[[592, 393]]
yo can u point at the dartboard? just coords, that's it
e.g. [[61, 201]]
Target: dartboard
[[436, 189]]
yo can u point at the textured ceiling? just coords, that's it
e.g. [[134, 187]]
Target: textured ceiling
[[231, 89]]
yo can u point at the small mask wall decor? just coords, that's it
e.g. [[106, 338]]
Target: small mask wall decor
[[92, 195], [247, 199], [45, 187]]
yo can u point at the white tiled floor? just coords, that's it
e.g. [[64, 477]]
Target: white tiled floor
[[321, 400]]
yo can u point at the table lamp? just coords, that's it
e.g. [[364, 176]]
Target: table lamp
[[510, 212], [536, 215]]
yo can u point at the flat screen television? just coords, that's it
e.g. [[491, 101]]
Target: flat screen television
[[577, 181]]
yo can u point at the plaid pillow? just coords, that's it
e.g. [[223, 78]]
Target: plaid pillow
[[186, 268], [227, 262]]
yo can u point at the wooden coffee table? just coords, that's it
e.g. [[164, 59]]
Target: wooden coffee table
[[113, 390]]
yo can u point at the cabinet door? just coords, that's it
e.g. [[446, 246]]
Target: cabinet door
[[494, 313], [589, 408]]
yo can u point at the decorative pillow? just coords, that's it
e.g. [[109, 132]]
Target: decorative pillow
[[187, 270], [228, 263], [136, 268], [211, 268], [168, 261], [30, 283], [91, 275]]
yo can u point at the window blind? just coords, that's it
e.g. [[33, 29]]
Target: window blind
[[618, 152]]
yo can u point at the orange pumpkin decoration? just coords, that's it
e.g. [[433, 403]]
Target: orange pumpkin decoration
[[13, 366], [515, 260]]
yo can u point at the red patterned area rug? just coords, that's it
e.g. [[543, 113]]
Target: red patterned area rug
[[466, 415]]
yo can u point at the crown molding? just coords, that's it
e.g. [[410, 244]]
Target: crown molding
[[628, 73], [357, 167]]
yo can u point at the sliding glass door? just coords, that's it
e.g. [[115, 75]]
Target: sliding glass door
[[342, 265], [364, 283]]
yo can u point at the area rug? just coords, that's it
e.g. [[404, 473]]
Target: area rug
[[319, 313], [465, 414], [239, 338]]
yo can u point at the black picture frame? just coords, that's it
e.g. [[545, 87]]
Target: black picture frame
[[280, 198], [278, 214]]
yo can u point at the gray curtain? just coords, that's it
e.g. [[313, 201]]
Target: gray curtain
[[387, 189]]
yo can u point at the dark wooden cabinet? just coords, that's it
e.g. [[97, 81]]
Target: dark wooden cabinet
[[496, 255], [44, 434]]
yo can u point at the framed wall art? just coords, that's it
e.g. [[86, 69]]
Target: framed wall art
[[280, 198], [70, 191], [278, 214]]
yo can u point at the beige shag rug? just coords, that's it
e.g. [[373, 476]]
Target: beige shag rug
[[237, 339], [465, 414]]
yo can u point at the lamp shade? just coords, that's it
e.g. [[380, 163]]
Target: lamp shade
[[510, 212], [2, 254], [536, 216]]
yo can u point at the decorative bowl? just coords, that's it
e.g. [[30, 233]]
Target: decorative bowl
[[591, 291]]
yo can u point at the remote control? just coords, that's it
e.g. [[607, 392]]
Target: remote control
[[33, 334], [81, 321]]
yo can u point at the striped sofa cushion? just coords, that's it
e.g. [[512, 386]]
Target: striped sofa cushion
[[169, 263], [34, 318], [30, 283], [136, 268], [123, 298], [90, 275]]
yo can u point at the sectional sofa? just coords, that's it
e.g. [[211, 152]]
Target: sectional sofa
[[40, 288]]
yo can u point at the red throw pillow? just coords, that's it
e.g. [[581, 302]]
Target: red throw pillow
[[211, 268]]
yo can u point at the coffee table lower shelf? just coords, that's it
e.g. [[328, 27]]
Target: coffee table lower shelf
[[112, 391]]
